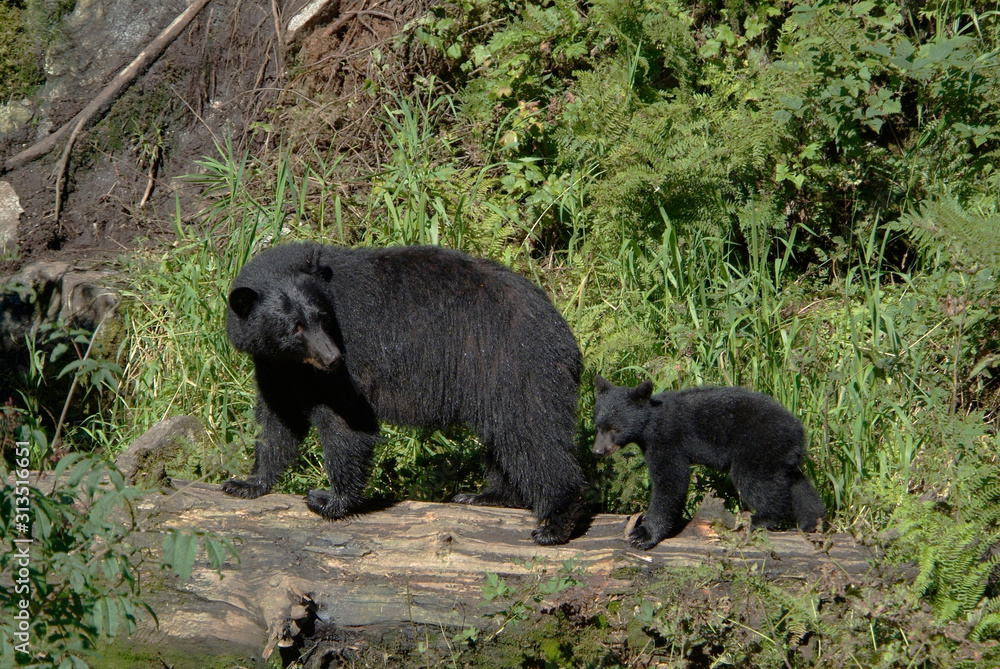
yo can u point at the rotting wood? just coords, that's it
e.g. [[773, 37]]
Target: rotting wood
[[416, 564]]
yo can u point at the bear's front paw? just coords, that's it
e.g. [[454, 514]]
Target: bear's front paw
[[642, 538], [244, 489], [328, 505]]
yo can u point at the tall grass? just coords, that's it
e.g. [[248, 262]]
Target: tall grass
[[178, 359]]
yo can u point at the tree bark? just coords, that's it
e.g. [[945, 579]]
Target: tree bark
[[417, 564]]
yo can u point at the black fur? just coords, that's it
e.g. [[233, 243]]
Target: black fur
[[344, 339], [748, 434]]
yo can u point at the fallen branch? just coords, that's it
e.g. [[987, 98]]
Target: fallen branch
[[110, 93]]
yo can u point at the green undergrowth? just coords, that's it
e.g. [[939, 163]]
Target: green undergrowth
[[722, 613]]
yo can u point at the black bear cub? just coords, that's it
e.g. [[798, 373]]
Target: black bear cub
[[748, 434], [343, 339]]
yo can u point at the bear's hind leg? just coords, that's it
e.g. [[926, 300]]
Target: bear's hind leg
[[498, 492], [766, 493], [347, 458], [548, 480], [275, 450]]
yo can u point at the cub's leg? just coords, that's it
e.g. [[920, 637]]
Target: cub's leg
[[347, 457], [808, 507], [765, 492], [282, 432], [669, 476]]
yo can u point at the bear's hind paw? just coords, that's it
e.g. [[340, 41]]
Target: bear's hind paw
[[641, 538], [244, 489], [329, 506], [551, 534]]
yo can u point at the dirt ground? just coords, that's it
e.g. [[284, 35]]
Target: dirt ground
[[229, 71]]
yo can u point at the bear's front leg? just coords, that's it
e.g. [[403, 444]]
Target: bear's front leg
[[669, 476], [274, 452], [347, 457]]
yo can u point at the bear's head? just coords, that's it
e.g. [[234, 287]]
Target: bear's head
[[289, 320], [620, 415]]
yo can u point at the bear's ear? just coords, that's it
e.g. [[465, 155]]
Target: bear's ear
[[316, 267], [242, 301], [319, 271], [642, 392], [601, 384]]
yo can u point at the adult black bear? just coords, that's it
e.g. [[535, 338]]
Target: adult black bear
[[419, 336], [746, 433]]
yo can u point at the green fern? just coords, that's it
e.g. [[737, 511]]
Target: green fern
[[970, 238], [955, 552]]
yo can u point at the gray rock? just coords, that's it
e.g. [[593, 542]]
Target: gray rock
[[10, 216], [52, 292], [144, 462], [15, 114]]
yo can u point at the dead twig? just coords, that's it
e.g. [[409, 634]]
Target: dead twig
[[152, 178]]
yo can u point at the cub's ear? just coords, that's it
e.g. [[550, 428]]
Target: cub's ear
[[242, 301], [601, 384], [642, 392]]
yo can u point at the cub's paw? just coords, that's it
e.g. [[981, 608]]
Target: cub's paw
[[328, 505], [245, 489], [642, 538]]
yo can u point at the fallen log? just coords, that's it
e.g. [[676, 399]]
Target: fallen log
[[413, 565]]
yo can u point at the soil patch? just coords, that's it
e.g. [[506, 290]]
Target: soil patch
[[219, 76], [227, 73]]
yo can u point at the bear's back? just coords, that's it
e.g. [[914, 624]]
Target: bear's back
[[723, 423]]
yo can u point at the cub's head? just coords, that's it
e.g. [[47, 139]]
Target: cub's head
[[620, 414], [288, 319]]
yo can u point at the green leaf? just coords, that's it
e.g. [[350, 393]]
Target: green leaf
[[179, 551], [480, 53], [726, 34], [752, 27], [710, 49], [792, 102]]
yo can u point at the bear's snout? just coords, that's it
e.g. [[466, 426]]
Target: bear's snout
[[603, 444], [321, 352]]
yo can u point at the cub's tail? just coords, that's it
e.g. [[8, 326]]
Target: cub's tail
[[808, 507]]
